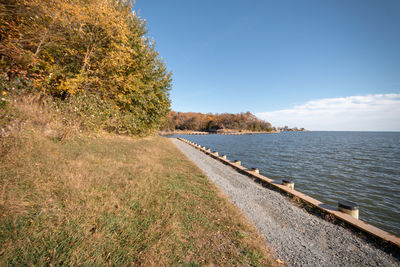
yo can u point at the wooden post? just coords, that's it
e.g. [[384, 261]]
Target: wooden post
[[288, 183], [349, 208], [255, 170]]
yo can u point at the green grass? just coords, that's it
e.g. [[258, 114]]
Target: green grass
[[111, 200]]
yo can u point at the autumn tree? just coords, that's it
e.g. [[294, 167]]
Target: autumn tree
[[212, 122], [95, 56]]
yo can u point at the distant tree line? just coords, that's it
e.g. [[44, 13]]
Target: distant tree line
[[92, 57], [294, 129], [213, 122]]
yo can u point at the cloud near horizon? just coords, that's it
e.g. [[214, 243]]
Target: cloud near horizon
[[379, 112]]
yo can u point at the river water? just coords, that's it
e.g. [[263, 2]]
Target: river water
[[362, 167]]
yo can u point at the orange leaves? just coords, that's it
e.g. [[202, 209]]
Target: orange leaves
[[205, 122]]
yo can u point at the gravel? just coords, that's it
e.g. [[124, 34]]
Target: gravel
[[297, 237]]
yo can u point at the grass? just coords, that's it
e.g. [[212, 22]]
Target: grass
[[112, 200]]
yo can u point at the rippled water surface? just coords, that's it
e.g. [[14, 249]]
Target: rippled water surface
[[362, 167]]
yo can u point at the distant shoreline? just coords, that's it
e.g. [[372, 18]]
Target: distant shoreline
[[230, 132], [224, 132]]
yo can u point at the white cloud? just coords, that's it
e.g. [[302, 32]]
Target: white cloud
[[380, 112]]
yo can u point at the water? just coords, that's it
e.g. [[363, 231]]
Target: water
[[362, 167]]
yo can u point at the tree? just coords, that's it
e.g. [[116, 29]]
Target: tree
[[96, 50], [211, 122]]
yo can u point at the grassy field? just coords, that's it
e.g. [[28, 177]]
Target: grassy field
[[111, 200]]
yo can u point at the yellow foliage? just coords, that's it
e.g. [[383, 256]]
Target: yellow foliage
[[94, 47]]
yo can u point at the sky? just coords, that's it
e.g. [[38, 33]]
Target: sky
[[321, 65]]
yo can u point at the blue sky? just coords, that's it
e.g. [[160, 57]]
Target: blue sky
[[272, 56]]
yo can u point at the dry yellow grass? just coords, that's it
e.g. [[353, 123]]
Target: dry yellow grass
[[111, 200]]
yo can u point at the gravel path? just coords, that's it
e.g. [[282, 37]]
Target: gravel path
[[297, 237]]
